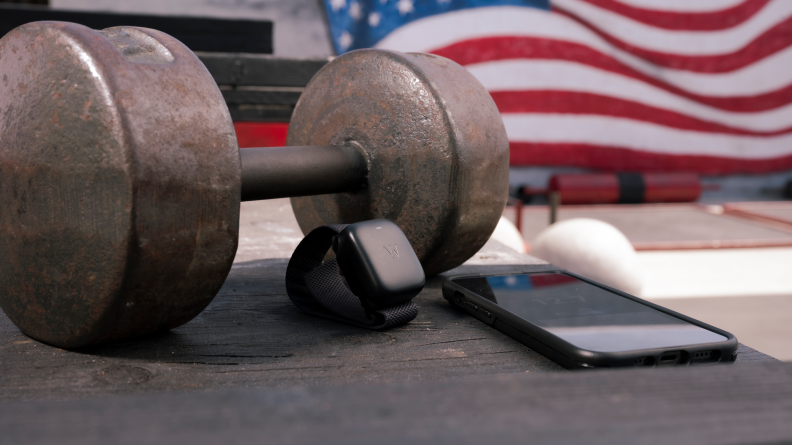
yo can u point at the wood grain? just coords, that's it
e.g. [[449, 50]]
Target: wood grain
[[719, 405], [253, 368], [260, 88]]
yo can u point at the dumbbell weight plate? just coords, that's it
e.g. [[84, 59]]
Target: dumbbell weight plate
[[120, 172], [119, 183], [435, 143]]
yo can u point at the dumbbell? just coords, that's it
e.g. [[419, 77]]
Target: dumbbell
[[121, 178]]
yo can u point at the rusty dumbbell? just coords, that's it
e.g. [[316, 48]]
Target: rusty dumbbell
[[121, 178]]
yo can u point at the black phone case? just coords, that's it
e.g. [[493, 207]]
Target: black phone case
[[571, 357]]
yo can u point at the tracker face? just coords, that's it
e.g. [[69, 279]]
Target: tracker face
[[378, 263]]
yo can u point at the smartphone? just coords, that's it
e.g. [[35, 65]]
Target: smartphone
[[579, 323]]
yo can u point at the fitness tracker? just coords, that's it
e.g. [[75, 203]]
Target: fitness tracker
[[370, 282]]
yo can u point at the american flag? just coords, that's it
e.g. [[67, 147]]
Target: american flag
[[630, 85]]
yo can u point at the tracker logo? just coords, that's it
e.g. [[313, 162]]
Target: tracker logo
[[392, 251]]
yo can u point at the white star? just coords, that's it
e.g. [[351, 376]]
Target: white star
[[404, 6], [374, 19], [337, 5], [382, 2], [443, 1], [345, 40], [354, 10]]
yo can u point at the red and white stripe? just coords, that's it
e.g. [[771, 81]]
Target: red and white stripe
[[650, 85]]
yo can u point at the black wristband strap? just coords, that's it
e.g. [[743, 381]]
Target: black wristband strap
[[318, 289]]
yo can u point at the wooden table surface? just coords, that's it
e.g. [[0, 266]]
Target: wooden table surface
[[253, 368]]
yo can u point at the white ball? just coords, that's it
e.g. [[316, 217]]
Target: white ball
[[593, 249], [507, 234]]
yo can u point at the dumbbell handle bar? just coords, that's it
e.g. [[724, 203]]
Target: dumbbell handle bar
[[280, 172]]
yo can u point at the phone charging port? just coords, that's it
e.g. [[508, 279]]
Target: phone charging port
[[669, 358]]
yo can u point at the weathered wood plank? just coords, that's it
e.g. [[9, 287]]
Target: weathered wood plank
[[717, 405], [253, 336], [260, 88], [261, 112], [263, 95], [261, 104], [260, 70]]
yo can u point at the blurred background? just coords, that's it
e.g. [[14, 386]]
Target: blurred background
[[299, 26], [670, 120]]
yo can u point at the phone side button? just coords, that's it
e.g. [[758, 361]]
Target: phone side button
[[484, 312], [471, 305]]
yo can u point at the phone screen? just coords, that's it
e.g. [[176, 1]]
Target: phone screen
[[585, 315]]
